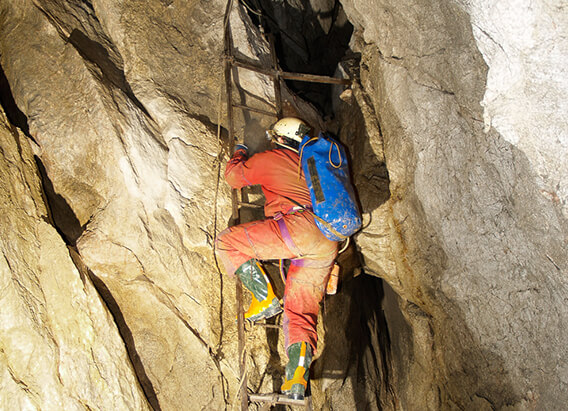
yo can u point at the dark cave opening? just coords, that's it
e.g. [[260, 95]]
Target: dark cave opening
[[306, 41]]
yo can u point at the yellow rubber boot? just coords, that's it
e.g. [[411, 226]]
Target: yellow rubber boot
[[297, 370], [266, 308], [264, 303]]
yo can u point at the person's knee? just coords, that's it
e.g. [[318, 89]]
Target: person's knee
[[222, 242], [223, 251], [222, 235]]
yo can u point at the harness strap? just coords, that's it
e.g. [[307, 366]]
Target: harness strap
[[287, 238], [312, 263], [299, 261]]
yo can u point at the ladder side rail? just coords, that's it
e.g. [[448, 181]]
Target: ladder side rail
[[276, 74], [276, 78]]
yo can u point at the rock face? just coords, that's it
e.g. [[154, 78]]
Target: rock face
[[474, 236], [138, 172], [60, 348], [455, 125]]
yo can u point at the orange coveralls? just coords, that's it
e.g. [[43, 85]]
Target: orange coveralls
[[284, 234]]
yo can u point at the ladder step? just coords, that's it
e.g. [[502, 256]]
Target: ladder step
[[250, 205], [256, 110], [275, 398], [270, 72], [313, 78], [266, 325]]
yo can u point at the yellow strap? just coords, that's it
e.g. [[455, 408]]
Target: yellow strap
[[338, 152], [301, 153]]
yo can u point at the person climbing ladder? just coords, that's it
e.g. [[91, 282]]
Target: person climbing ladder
[[289, 231]]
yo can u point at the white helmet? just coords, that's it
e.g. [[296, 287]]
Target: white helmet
[[292, 128]]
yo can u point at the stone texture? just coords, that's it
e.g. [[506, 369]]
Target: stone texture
[[54, 328], [456, 129], [474, 246], [525, 48], [134, 177]]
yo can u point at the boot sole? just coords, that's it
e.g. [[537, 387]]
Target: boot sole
[[295, 396]]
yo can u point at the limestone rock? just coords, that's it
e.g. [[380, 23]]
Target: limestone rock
[[142, 184], [455, 125], [474, 248], [59, 345], [525, 49]]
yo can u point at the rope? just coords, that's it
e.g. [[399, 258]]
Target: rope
[[307, 142], [219, 112], [338, 153], [243, 378], [227, 15], [345, 246], [301, 153], [217, 163], [281, 269]]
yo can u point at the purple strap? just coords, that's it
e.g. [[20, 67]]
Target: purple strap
[[287, 238], [301, 262]]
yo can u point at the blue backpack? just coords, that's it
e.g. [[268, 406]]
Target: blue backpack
[[334, 203]]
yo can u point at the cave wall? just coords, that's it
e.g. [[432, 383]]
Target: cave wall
[[120, 104], [55, 329], [120, 140], [455, 125], [474, 236]]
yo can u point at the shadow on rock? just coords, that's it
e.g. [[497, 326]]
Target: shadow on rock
[[353, 368]]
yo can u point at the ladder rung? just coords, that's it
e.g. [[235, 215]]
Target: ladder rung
[[253, 67], [256, 110], [267, 325], [313, 78], [275, 398], [250, 205]]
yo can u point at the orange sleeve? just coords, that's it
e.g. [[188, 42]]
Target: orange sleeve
[[276, 171], [242, 171], [234, 171]]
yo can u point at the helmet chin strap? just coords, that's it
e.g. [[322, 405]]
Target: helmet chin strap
[[284, 145]]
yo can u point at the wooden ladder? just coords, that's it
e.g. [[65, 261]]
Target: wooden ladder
[[277, 75]]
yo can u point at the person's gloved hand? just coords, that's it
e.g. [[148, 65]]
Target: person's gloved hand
[[241, 146], [240, 153]]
